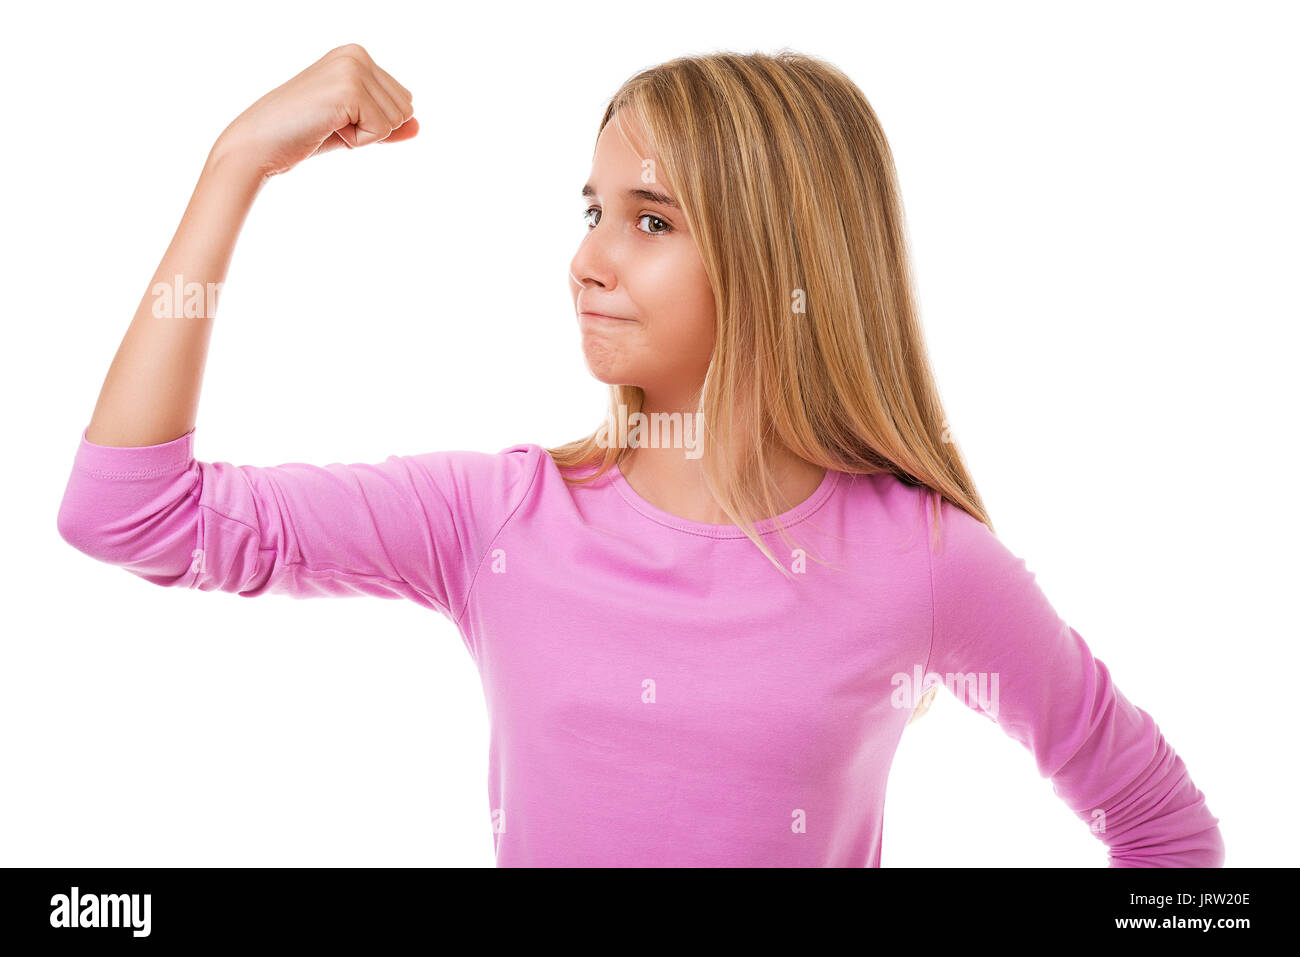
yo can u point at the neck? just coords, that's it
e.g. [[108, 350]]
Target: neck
[[669, 480]]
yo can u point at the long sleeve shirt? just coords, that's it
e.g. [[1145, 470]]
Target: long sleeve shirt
[[658, 693]]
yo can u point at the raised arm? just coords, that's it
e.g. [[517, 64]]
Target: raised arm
[[151, 393], [410, 527]]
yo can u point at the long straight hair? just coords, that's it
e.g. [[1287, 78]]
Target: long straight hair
[[788, 186]]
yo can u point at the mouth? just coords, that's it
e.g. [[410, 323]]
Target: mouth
[[599, 316]]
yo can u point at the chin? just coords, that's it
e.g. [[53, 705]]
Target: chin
[[607, 377], [604, 370]]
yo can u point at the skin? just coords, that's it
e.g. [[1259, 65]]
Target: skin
[[639, 262]]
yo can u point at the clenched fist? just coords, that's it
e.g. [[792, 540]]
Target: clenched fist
[[343, 99]]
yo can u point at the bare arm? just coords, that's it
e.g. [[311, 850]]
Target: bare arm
[[151, 393]]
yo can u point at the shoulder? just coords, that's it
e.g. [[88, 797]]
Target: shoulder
[[895, 507], [513, 461], [964, 553], [490, 483], [983, 589]]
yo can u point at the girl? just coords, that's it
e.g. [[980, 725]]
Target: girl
[[701, 629]]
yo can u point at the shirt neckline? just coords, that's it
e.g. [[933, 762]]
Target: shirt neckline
[[830, 481]]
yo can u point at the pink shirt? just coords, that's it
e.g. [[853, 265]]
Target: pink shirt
[[658, 693]]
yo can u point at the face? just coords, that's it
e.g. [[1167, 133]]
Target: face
[[639, 264]]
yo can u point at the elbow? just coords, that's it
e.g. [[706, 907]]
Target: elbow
[[154, 543], [77, 527], [94, 527], [141, 517]]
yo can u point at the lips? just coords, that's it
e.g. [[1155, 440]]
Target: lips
[[602, 315]]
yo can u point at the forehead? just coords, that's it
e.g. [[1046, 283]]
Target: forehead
[[623, 142]]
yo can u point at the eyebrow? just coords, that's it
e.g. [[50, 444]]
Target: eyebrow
[[648, 195]]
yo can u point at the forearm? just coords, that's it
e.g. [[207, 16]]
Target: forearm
[[151, 392]]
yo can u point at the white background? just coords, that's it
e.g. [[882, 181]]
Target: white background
[[1102, 206]]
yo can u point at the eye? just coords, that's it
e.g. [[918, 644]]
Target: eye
[[655, 232], [590, 210]]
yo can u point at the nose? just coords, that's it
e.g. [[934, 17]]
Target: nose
[[591, 265]]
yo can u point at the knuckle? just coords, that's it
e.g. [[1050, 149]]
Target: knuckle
[[353, 50], [350, 70]]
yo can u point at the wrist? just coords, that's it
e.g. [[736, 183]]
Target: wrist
[[228, 160]]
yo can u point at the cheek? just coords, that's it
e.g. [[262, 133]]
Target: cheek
[[698, 310], [683, 306], [683, 341]]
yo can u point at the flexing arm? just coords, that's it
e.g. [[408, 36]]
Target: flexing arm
[[411, 526], [151, 393]]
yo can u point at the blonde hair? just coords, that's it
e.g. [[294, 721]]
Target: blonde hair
[[818, 341]]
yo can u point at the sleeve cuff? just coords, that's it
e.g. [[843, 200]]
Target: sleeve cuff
[[128, 462]]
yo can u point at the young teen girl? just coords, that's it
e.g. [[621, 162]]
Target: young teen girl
[[701, 632]]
